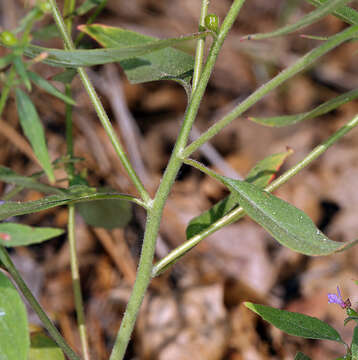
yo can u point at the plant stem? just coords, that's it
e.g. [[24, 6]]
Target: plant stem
[[99, 108], [239, 212], [155, 212], [199, 54], [76, 283], [55, 334], [6, 90], [292, 70]]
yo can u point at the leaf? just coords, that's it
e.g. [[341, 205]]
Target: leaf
[[290, 226], [12, 234], [296, 324], [279, 121], [44, 348], [344, 13], [6, 60], [350, 318], [14, 339], [45, 85], [33, 129], [66, 76], [109, 214], [87, 6], [164, 64], [260, 175], [78, 58], [323, 10], [22, 72], [9, 176], [354, 345], [301, 356], [73, 195]]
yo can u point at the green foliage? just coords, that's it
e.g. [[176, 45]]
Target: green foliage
[[14, 339], [73, 195], [288, 225], [163, 64], [12, 234], [8, 38], [325, 9], [354, 345], [44, 348], [301, 356], [33, 129], [260, 175], [109, 214], [295, 323], [279, 121]]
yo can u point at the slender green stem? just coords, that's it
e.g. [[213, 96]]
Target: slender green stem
[[200, 47], [76, 283], [239, 212], [68, 8], [99, 108], [6, 90], [155, 212], [55, 334], [292, 70]]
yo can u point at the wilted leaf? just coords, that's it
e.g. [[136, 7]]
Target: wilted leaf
[[14, 339], [22, 235]]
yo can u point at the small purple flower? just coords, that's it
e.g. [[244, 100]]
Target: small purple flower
[[337, 299]]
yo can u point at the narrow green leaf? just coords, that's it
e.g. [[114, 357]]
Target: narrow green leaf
[[290, 226], [6, 60], [14, 339], [75, 194], [295, 323], [301, 356], [45, 85], [323, 10], [28, 182], [344, 13], [44, 348], [109, 214], [33, 129], [46, 32], [66, 76], [87, 6], [354, 345], [279, 121], [168, 63], [78, 58], [260, 175], [21, 71], [12, 234]]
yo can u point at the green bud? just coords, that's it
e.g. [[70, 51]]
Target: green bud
[[212, 22], [8, 38]]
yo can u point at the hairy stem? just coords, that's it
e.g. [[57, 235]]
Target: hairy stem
[[239, 212], [155, 212]]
